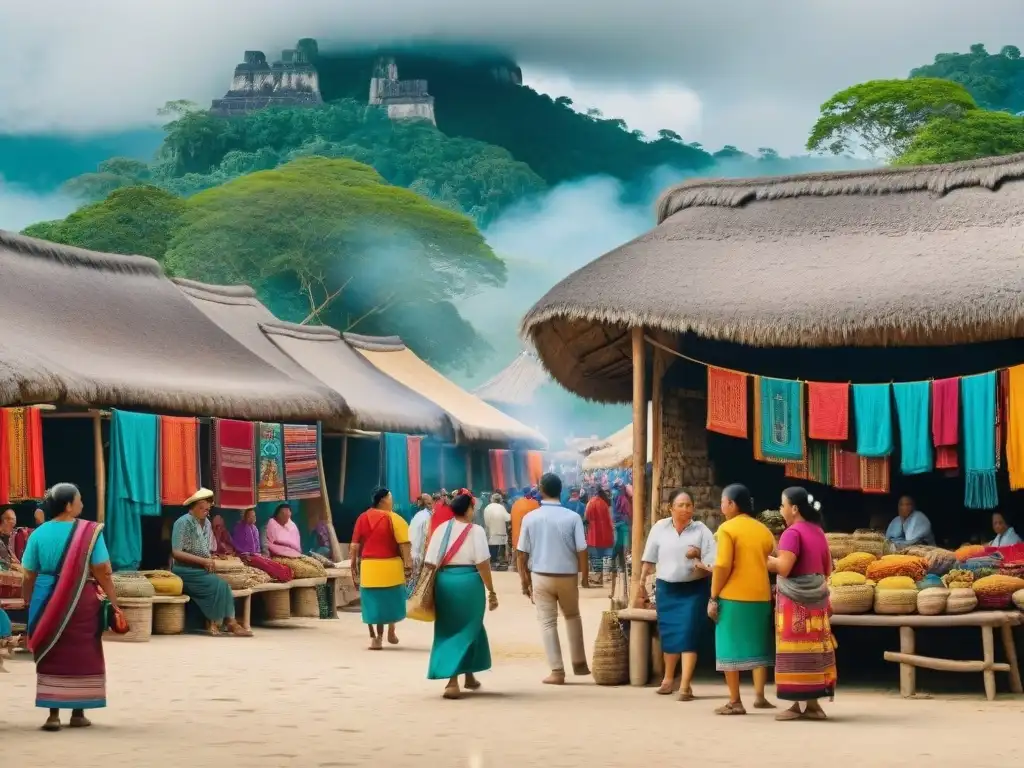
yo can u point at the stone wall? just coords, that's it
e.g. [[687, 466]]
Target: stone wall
[[685, 460]]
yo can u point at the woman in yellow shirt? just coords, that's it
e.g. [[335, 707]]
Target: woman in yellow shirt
[[741, 599]]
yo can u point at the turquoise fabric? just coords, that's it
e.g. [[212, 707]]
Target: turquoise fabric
[[460, 644], [913, 411], [46, 545], [782, 420], [5, 625], [872, 414], [453, 467], [396, 472], [430, 466], [133, 485], [382, 605], [978, 406]]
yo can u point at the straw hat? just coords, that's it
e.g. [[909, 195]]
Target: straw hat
[[201, 495]]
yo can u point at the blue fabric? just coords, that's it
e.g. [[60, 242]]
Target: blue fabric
[[913, 411], [872, 414], [682, 613], [978, 406], [782, 421], [41, 592], [382, 605], [396, 472], [46, 545], [133, 486], [453, 467], [916, 529], [521, 466], [5, 624], [460, 644]]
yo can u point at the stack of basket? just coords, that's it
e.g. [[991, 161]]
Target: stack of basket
[[850, 592], [932, 601], [304, 603], [996, 592], [1018, 598], [895, 595], [611, 652], [232, 570], [138, 612], [867, 540], [840, 545], [132, 584], [961, 600]]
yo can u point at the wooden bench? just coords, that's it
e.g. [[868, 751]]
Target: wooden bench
[[909, 662], [243, 601]]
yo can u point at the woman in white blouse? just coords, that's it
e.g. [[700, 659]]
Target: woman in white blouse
[[681, 553], [459, 550]]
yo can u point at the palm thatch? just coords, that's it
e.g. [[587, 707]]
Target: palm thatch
[[473, 419], [894, 257], [93, 329], [617, 451], [516, 384]]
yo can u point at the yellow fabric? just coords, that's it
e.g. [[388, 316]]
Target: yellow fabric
[[1015, 429], [847, 579], [743, 548], [896, 582], [389, 572]]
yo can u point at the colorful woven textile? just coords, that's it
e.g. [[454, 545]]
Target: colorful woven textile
[[828, 411], [302, 461], [234, 463], [913, 412], [816, 467], [1015, 428], [415, 470], [844, 468], [23, 453], [946, 422], [978, 400], [535, 466], [874, 474], [179, 459], [872, 412], [781, 419], [727, 402], [270, 486], [497, 470]]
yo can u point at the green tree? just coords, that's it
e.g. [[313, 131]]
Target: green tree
[[978, 133], [132, 220], [332, 232], [883, 116], [115, 173], [995, 80]]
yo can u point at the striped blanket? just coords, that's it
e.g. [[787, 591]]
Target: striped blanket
[[302, 461]]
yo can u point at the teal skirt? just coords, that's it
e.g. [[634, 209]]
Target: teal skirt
[[743, 636], [382, 605], [460, 640], [208, 592], [5, 625]]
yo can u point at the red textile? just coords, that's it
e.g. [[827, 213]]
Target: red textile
[[19, 541], [415, 473], [34, 453], [375, 534], [442, 514], [946, 411], [874, 474], [234, 463], [5, 475], [275, 570], [600, 531], [845, 469], [828, 407], [727, 402], [497, 470]]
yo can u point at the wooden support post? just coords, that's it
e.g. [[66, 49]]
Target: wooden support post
[[100, 465], [327, 517], [469, 469], [656, 442], [988, 647], [639, 651], [639, 457], [908, 674], [1011, 658], [344, 469]]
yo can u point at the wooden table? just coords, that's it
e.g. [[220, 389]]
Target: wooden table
[[909, 661]]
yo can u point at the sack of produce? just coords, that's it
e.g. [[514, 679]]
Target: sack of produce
[[857, 562], [897, 565], [958, 578]]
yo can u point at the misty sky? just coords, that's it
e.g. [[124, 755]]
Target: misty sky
[[745, 72]]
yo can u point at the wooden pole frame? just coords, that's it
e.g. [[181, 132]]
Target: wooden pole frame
[[639, 456], [100, 465], [657, 409]]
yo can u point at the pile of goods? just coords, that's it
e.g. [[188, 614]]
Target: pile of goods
[[910, 566], [10, 582], [773, 521], [895, 595], [995, 592], [165, 583], [840, 544], [850, 592], [855, 562], [939, 560], [867, 540], [132, 584]]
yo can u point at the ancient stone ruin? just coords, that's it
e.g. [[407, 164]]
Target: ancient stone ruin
[[403, 99], [290, 82]]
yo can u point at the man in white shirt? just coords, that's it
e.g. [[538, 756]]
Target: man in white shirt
[[552, 556], [496, 519], [419, 534]]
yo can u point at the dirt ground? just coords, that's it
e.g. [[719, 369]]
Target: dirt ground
[[309, 694]]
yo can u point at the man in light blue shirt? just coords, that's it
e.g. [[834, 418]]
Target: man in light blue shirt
[[910, 526], [552, 552]]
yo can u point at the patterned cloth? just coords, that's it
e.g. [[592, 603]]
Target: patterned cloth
[[21, 434], [805, 658], [271, 477], [302, 461], [779, 420], [727, 402], [179, 459], [874, 474], [234, 463], [828, 411]]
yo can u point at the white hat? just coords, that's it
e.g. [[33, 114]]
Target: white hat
[[201, 495]]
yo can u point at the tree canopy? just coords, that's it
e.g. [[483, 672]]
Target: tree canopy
[[995, 80], [978, 133]]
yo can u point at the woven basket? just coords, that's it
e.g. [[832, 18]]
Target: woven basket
[[841, 545], [132, 584], [165, 583], [304, 603], [856, 598], [1018, 599], [168, 618], [895, 602], [961, 601], [277, 605], [932, 601], [994, 601], [235, 579], [227, 565], [611, 652], [138, 611]]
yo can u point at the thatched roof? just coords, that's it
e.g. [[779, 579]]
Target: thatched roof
[[618, 449], [94, 329], [473, 419], [516, 384], [894, 257], [378, 402]]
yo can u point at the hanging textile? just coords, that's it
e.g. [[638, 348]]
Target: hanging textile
[[913, 412], [509, 467], [816, 467], [415, 475], [497, 470], [872, 413], [34, 453], [270, 486], [1015, 428], [234, 463], [179, 459], [828, 411], [301, 461], [1002, 410], [535, 463], [874, 474], [978, 399], [781, 412], [453, 466], [5, 474], [844, 468], [396, 471], [522, 467], [23, 443], [946, 422], [727, 402], [133, 485]]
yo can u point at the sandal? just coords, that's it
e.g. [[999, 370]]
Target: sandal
[[815, 714], [732, 708], [51, 726], [80, 721], [376, 644], [239, 631], [472, 684], [789, 714], [686, 695], [665, 688], [763, 703], [451, 692]]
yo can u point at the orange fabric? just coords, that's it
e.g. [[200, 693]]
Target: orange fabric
[[534, 466], [727, 402], [17, 465], [828, 408], [497, 470], [34, 453], [5, 477], [874, 474], [520, 509], [179, 459]]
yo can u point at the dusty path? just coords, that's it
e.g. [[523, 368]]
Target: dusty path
[[310, 695]]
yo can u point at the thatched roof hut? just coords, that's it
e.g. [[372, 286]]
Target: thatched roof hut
[[907, 257], [473, 419], [617, 450], [516, 384], [94, 329]]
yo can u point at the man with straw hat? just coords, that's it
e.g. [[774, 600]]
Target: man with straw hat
[[193, 563]]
